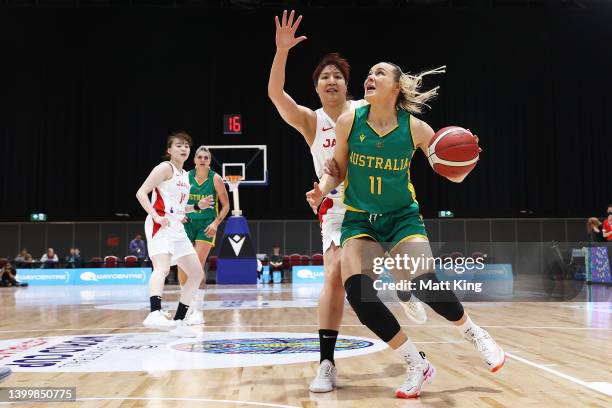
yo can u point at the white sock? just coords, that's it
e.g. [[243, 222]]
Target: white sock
[[468, 326], [409, 352], [198, 300]]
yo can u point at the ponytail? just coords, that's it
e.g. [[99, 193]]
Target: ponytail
[[410, 97]]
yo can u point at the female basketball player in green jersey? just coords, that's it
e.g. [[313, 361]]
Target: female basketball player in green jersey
[[375, 145], [330, 79], [201, 226]]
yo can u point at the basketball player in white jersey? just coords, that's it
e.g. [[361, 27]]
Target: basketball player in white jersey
[[167, 241], [318, 129]]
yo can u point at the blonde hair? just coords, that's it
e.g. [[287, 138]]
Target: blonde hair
[[593, 222], [410, 97], [203, 149]]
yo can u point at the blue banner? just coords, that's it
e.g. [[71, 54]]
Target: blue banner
[[492, 281], [308, 274], [46, 276], [85, 276]]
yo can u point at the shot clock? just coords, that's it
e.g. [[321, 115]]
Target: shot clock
[[232, 124]]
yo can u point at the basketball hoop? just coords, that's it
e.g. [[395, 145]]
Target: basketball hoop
[[233, 181]]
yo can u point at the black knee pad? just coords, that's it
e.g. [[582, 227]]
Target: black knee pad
[[443, 302], [373, 313]]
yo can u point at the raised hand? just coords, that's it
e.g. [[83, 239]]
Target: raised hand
[[285, 31]]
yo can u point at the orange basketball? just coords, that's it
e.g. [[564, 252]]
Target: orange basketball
[[453, 151]]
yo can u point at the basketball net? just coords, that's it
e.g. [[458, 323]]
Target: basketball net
[[233, 181]]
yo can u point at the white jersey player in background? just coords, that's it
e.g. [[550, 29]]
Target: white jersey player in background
[[167, 242], [330, 80]]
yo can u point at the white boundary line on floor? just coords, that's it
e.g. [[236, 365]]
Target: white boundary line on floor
[[602, 387]]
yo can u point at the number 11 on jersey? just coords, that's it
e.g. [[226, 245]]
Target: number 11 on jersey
[[379, 182]]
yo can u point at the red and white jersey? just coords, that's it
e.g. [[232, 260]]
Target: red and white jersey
[[169, 199], [322, 148]]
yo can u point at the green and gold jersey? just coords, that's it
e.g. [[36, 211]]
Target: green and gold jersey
[[378, 173], [199, 191]]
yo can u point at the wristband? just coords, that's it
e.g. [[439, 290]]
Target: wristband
[[196, 207]]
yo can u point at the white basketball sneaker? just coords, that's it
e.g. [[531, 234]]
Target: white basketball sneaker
[[183, 330], [414, 310], [194, 317], [158, 320], [326, 378], [492, 355], [417, 374]]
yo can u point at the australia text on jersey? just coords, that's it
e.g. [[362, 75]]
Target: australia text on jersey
[[379, 162]]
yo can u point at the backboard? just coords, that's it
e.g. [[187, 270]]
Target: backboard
[[250, 162]]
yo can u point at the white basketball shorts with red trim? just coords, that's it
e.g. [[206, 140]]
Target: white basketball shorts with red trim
[[168, 240], [331, 214]]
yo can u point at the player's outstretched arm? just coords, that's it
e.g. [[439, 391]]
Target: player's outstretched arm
[[304, 120], [422, 134]]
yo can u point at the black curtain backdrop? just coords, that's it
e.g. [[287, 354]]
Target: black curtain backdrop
[[88, 97]]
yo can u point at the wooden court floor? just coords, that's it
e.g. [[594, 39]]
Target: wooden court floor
[[559, 354]]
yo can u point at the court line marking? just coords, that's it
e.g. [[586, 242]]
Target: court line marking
[[307, 325], [602, 387], [259, 404]]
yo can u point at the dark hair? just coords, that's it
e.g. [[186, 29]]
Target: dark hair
[[332, 59], [182, 136]]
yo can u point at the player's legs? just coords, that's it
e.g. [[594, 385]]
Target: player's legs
[[356, 259], [182, 276], [195, 232], [191, 229], [193, 269], [445, 302], [381, 228], [161, 268], [203, 250], [195, 315], [331, 299], [402, 223], [188, 261], [331, 307]]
